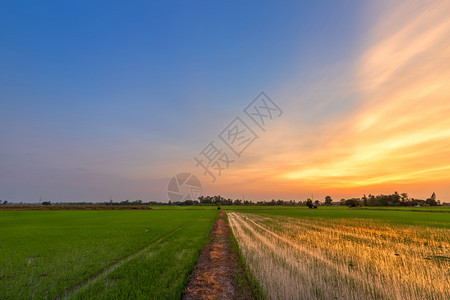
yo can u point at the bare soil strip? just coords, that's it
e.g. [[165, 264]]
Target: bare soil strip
[[72, 291], [217, 269]]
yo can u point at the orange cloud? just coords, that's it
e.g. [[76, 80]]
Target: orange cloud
[[398, 135]]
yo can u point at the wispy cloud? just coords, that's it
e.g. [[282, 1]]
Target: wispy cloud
[[398, 133], [401, 131]]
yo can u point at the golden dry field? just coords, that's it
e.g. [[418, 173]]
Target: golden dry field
[[343, 258]]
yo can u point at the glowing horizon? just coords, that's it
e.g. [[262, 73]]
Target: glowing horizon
[[364, 87], [399, 133]]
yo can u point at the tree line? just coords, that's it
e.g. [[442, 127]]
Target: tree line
[[394, 199]]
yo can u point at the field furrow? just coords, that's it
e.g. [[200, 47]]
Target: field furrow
[[74, 291], [100, 254], [319, 258]]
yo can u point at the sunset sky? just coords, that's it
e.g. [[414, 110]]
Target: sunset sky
[[112, 99]]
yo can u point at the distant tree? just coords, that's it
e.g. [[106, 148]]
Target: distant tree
[[395, 199], [371, 201], [365, 200], [404, 199], [352, 202], [217, 199], [382, 200], [328, 200], [431, 202], [188, 202], [205, 199], [309, 203], [237, 202], [5, 202], [46, 203]]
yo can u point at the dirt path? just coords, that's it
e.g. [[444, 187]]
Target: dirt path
[[214, 276]]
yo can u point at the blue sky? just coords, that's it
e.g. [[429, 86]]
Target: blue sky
[[108, 98]]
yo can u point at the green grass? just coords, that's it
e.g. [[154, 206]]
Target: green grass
[[46, 254], [422, 218], [409, 208], [184, 207]]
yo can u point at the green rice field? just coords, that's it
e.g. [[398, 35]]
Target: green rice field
[[288, 252], [100, 254]]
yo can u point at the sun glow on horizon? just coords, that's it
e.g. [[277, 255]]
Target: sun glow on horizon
[[401, 132]]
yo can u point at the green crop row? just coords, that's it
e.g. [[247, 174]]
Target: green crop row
[[106, 254]]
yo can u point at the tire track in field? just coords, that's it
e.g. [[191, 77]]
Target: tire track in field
[[70, 292]]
